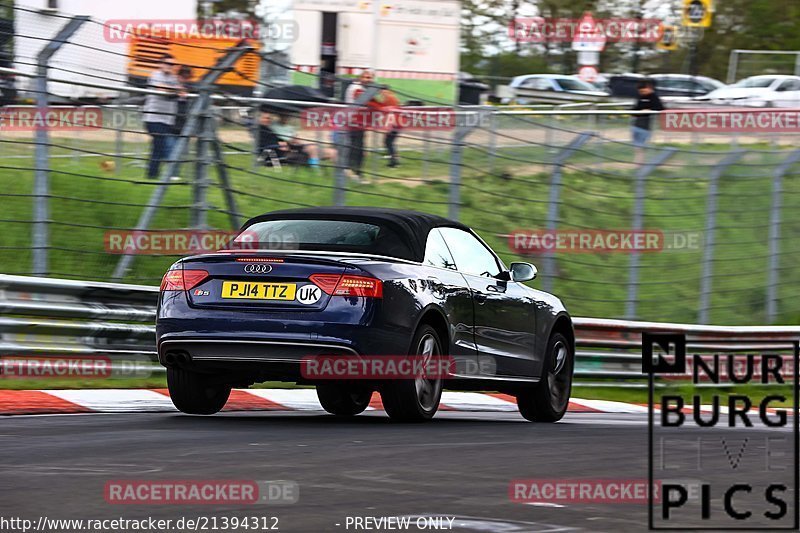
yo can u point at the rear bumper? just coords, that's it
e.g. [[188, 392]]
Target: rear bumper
[[251, 350]]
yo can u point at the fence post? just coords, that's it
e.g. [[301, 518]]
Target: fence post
[[456, 154], [733, 61], [119, 142], [554, 202], [255, 128], [775, 233], [426, 137], [199, 215], [709, 237], [198, 107], [41, 180], [342, 144], [638, 214], [492, 140], [224, 181]]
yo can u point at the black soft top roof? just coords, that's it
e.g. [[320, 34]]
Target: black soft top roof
[[411, 226]]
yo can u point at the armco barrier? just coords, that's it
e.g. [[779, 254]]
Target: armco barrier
[[44, 316]]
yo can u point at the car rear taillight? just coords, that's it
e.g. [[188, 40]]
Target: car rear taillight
[[337, 285], [182, 280]]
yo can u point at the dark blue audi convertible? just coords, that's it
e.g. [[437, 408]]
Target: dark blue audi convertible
[[358, 282]]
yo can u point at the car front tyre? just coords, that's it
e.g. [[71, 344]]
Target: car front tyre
[[547, 400], [343, 400], [416, 400], [194, 393]]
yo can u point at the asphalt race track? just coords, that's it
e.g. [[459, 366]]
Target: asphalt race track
[[460, 465]]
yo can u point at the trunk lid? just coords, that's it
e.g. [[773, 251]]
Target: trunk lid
[[262, 282]]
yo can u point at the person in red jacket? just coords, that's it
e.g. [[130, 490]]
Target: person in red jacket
[[389, 101]]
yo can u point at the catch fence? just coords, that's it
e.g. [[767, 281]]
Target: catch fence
[[719, 207]]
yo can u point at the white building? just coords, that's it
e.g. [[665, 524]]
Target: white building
[[413, 45]]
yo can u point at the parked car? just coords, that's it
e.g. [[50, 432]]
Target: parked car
[[671, 86], [364, 283], [552, 88], [759, 91]]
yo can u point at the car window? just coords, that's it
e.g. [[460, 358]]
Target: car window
[[670, 84], [325, 235], [436, 252], [538, 84], [755, 82], [470, 255], [710, 84], [789, 85], [569, 84], [698, 87]]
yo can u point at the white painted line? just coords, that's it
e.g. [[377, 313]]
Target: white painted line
[[142, 400], [607, 406], [116, 400], [474, 401], [293, 399]]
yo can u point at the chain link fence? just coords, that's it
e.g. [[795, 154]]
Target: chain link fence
[[719, 207]]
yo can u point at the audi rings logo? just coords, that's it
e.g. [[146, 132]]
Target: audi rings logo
[[258, 269]]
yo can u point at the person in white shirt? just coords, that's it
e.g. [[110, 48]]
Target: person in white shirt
[[160, 112]]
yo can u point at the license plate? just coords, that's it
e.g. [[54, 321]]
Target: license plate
[[258, 291]]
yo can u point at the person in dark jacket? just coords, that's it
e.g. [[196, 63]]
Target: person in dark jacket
[[184, 88], [648, 100]]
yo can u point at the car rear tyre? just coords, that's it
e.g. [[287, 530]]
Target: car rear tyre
[[416, 400], [194, 393], [343, 400], [547, 401]]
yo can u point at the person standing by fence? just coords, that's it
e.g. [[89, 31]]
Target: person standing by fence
[[160, 112], [648, 100], [356, 132], [185, 87], [390, 102]]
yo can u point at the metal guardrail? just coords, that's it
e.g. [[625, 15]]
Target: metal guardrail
[[66, 317], [612, 349], [44, 316]]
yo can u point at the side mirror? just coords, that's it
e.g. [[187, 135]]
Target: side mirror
[[523, 272]]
